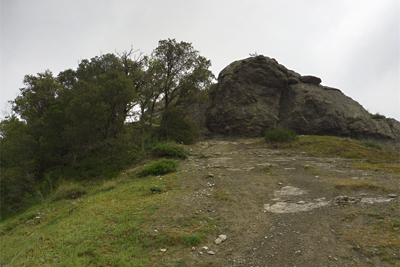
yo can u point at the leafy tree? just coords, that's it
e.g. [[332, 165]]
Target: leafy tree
[[100, 96], [18, 164], [183, 71], [36, 97], [33, 105]]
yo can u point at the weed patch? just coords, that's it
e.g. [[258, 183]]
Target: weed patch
[[156, 189], [108, 185], [192, 240], [70, 191], [222, 194]]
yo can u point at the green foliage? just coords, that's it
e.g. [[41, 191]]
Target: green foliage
[[160, 167], [169, 150], [280, 135], [184, 71], [176, 127], [192, 240], [69, 191], [372, 144], [212, 90], [18, 162]]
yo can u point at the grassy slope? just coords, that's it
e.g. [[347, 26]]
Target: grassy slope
[[102, 228], [120, 226]]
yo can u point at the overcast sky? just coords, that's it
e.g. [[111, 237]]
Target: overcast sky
[[352, 45]]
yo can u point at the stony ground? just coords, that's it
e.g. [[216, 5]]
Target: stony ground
[[281, 207]]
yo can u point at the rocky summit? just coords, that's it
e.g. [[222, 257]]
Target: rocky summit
[[257, 93]]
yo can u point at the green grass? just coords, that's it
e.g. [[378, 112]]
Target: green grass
[[372, 144], [101, 228], [160, 167], [193, 240]]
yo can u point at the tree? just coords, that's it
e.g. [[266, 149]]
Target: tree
[[36, 97], [100, 96], [33, 105], [17, 162], [183, 71]]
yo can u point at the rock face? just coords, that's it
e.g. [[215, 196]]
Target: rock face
[[257, 93]]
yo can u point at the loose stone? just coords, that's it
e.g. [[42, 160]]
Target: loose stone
[[222, 237]]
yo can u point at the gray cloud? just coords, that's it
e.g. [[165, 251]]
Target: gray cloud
[[351, 45]]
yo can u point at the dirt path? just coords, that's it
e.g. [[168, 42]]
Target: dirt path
[[278, 207]]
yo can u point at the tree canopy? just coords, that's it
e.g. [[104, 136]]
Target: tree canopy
[[74, 125]]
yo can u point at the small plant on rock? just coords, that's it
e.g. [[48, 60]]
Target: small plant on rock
[[377, 116]]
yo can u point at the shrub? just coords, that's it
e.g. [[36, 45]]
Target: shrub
[[160, 167], [70, 191], [169, 150], [177, 128], [280, 135]]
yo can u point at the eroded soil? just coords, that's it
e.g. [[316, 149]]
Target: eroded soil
[[280, 207]]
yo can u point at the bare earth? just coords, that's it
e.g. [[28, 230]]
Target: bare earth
[[281, 208]]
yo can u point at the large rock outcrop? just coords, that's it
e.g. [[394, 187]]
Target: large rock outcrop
[[257, 93]]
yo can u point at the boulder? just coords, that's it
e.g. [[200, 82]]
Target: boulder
[[257, 93]]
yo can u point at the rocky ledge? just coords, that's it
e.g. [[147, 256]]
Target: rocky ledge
[[257, 93]]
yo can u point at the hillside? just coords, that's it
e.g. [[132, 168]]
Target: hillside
[[319, 201]]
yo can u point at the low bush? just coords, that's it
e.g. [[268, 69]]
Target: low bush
[[70, 191], [280, 135], [177, 128], [160, 167], [169, 150]]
